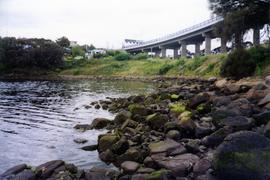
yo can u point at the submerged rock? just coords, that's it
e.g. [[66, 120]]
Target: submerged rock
[[100, 123]]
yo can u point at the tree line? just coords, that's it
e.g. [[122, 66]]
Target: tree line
[[27, 53]]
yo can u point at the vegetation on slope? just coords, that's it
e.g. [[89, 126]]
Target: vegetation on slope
[[201, 66]]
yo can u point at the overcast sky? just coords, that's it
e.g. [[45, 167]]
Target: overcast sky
[[104, 23]]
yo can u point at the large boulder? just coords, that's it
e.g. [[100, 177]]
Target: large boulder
[[100, 123], [156, 121], [106, 141], [243, 155]]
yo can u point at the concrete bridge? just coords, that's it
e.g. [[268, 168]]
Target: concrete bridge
[[194, 35]]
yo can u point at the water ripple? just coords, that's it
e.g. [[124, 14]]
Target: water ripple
[[37, 119]]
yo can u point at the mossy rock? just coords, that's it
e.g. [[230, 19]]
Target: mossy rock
[[121, 117], [158, 175], [203, 108], [186, 114], [107, 141], [156, 121], [177, 108], [243, 155], [137, 109], [175, 97]]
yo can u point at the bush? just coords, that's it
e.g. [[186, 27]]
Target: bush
[[123, 56], [239, 64], [165, 68], [77, 51], [260, 54], [140, 56]]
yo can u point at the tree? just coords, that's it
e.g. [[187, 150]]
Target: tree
[[91, 47], [63, 42], [240, 16]]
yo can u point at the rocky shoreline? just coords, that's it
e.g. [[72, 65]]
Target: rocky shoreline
[[189, 129]]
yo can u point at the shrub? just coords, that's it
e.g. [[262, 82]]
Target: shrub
[[239, 64], [77, 51], [123, 56], [259, 54], [140, 56], [165, 68]]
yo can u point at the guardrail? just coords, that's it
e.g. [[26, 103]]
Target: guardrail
[[177, 34]]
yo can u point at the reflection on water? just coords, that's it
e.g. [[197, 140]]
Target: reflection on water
[[37, 119]]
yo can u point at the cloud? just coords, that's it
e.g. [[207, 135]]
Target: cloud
[[101, 22]]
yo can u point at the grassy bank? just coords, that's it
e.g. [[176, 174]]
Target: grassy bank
[[202, 66]]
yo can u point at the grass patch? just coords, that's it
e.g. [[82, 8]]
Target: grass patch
[[108, 66]]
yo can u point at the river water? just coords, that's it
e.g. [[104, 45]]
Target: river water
[[37, 119]]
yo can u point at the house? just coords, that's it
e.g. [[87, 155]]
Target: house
[[95, 52]]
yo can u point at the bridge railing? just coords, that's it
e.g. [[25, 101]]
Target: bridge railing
[[177, 34]]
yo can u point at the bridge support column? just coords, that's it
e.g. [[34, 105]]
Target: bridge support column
[[197, 49], [157, 53], [163, 52], [256, 37], [183, 49], [207, 43], [223, 48], [175, 53]]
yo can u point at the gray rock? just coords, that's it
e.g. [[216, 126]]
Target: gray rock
[[14, 170], [237, 123], [25, 175], [166, 146], [266, 130], [199, 99], [243, 155], [217, 137], [265, 100], [202, 166], [179, 165], [48, 168], [130, 167], [262, 118]]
